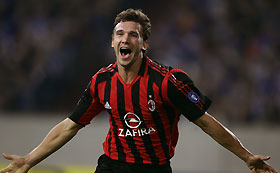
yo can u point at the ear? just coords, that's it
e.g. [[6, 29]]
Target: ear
[[145, 45]]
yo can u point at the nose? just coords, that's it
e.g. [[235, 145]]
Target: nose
[[125, 39]]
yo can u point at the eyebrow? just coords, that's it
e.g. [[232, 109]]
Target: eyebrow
[[130, 32]]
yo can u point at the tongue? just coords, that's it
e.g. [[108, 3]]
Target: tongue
[[125, 55]]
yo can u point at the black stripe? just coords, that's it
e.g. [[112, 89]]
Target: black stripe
[[142, 67], [101, 77], [135, 92], [107, 94], [122, 113], [109, 142], [156, 117], [105, 75], [82, 105], [170, 111], [158, 79], [171, 116], [157, 76]]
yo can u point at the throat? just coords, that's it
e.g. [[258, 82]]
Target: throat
[[128, 77], [129, 73]]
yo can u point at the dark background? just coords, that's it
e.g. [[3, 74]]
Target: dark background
[[50, 49]]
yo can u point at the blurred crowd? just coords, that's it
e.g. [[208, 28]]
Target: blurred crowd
[[231, 48]]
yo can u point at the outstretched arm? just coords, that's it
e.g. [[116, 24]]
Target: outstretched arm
[[228, 140], [56, 138]]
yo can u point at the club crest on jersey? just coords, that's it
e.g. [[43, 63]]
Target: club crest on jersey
[[151, 104], [193, 97]]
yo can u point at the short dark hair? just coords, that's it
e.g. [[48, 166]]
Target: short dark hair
[[136, 16]]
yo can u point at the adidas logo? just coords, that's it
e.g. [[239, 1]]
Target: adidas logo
[[107, 106]]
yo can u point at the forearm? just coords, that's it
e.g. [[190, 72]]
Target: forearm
[[228, 140], [224, 137], [55, 139]]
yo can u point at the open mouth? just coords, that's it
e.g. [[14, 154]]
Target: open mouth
[[125, 51]]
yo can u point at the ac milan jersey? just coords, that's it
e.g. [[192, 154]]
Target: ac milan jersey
[[144, 113]]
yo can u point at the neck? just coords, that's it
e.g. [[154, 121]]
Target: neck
[[128, 74]]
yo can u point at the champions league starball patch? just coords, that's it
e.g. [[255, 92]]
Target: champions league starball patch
[[193, 97]]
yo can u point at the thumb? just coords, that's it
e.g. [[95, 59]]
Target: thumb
[[264, 157]]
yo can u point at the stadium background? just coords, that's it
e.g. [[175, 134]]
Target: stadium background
[[230, 48]]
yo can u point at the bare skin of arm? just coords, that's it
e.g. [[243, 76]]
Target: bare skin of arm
[[56, 138], [228, 140]]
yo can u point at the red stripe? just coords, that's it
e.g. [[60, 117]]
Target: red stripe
[[118, 121], [174, 136], [165, 95], [166, 124], [146, 114], [129, 108], [106, 69], [101, 91], [106, 144]]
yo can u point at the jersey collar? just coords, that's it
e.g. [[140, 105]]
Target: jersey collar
[[142, 69]]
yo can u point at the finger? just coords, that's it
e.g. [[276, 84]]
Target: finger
[[6, 156], [273, 170], [270, 169], [8, 169], [262, 171]]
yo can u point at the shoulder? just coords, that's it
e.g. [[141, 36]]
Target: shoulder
[[178, 75], [167, 70], [159, 67], [176, 80], [167, 74], [157, 72], [109, 68], [104, 74]]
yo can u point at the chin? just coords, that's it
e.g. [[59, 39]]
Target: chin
[[126, 65]]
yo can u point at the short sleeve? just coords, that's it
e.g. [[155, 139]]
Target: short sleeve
[[184, 95], [88, 106]]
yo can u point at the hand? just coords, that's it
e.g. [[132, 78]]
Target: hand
[[17, 164], [258, 165]]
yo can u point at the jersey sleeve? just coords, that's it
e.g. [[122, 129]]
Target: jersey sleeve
[[183, 94], [88, 106]]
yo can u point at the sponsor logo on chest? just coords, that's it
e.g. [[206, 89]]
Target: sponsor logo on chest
[[133, 122]]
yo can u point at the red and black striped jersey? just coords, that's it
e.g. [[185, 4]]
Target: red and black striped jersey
[[143, 114]]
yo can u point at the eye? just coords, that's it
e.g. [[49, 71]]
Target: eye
[[119, 33], [134, 34]]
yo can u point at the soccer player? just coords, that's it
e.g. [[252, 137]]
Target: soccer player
[[144, 100]]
